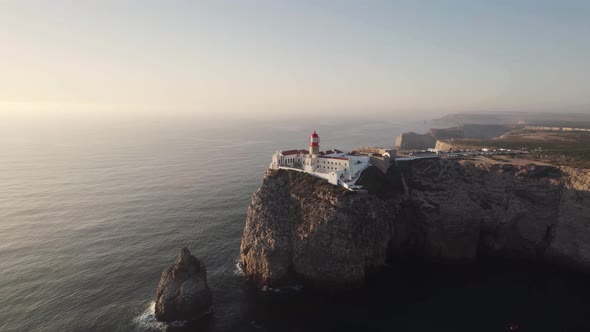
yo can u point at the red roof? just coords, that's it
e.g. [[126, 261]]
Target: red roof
[[314, 134], [290, 152]]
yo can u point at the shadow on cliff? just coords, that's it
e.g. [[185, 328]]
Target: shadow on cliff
[[485, 296], [384, 186], [461, 210]]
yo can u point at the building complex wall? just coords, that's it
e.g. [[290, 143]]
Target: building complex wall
[[288, 159], [556, 128], [376, 151], [382, 163]]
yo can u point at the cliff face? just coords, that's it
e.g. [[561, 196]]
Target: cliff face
[[299, 227], [412, 140], [445, 146], [533, 212]]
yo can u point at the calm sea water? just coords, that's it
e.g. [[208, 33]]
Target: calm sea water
[[92, 212]]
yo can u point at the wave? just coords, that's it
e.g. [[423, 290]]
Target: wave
[[239, 271], [147, 320], [295, 288], [288, 289]]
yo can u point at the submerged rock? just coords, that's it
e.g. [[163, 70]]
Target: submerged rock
[[183, 293]]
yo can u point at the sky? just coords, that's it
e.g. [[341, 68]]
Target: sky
[[265, 58]]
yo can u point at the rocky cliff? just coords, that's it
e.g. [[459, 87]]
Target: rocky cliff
[[446, 146], [412, 140], [304, 229]]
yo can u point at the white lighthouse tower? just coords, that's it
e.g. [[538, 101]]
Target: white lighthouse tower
[[314, 151], [314, 144]]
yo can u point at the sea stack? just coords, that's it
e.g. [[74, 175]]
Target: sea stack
[[183, 293]]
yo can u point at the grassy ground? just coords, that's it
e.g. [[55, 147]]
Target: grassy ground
[[558, 148]]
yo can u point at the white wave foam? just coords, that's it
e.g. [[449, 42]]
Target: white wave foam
[[283, 289], [147, 320], [295, 288], [239, 270]]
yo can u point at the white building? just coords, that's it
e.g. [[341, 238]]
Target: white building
[[335, 166], [289, 158]]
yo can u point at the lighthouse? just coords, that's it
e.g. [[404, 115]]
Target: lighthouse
[[314, 144], [335, 166]]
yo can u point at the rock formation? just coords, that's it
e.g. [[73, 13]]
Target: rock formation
[[411, 140], [301, 225], [447, 146], [183, 293], [302, 228]]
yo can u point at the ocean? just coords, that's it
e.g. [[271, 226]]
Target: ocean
[[91, 212]]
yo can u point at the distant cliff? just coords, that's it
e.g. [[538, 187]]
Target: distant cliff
[[411, 140], [447, 145], [299, 228]]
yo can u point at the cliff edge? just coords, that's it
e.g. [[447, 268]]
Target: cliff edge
[[300, 228]]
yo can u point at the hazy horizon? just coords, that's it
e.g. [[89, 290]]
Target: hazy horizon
[[130, 129], [280, 59]]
